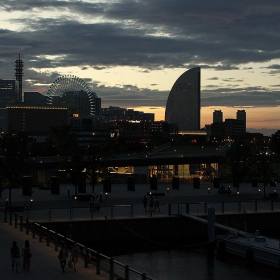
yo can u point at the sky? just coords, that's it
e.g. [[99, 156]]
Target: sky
[[131, 52]]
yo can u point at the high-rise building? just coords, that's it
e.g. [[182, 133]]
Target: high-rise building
[[34, 98], [217, 116], [183, 103], [9, 90], [241, 115], [19, 75]]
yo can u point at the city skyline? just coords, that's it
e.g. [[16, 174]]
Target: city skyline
[[131, 52]]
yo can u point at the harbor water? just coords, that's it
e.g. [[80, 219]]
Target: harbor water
[[197, 264]]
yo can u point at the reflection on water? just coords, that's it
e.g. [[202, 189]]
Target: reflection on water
[[195, 264]]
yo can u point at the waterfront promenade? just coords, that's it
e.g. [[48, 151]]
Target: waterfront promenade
[[45, 264]]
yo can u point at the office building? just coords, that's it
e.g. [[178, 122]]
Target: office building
[[19, 75], [88, 130], [227, 129], [34, 98], [217, 116], [137, 130], [80, 102], [241, 115], [183, 103], [35, 120], [9, 90], [117, 114]]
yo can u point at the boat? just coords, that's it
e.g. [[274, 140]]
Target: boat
[[252, 247]]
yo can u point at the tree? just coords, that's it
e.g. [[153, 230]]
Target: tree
[[63, 141], [238, 161], [264, 168], [96, 163], [75, 169], [14, 155]]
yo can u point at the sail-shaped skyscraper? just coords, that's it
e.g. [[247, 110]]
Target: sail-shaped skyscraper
[[183, 103]]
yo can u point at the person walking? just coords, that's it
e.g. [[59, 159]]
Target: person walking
[[151, 205], [15, 256], [75, 253], [157, 204], [26, 254], [145, 201], [63, 256]]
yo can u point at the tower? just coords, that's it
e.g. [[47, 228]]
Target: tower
[[217, 116], [183, 103], [241, 115], [19, 75]]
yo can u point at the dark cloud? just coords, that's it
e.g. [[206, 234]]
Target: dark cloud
[[250, 96], [153, 35]]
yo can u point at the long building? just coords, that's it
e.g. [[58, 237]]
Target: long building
[[35, 120], [9, 90], [183, 103]]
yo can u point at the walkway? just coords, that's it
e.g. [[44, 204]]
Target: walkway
[[44, 263]]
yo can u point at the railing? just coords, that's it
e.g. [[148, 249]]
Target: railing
[[127, 211], [90, 257], [225, 207]]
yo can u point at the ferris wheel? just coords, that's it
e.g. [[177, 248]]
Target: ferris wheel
[[67, 83]]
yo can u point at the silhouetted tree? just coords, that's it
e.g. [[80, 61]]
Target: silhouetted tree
[[14, 158], [63, 141], [238, 161]]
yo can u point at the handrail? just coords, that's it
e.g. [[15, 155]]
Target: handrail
[[167, 209]]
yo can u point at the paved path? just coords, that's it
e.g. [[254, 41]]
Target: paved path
[[44, 262]]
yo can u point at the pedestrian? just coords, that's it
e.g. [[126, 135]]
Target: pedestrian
[[26, 254], [157, 204], [75, 253], [15, 256], [63, 256], [145, 200], [151, 205]]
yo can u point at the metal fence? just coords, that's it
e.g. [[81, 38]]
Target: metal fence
[[126, 211]]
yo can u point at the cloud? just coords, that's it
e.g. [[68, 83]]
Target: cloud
[[151, 35]]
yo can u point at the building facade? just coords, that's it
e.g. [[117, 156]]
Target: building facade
[[183, 103], [9, 91], [137, 130], [241, 115], [35, 120], [217, 116], [34, 98], [227, 129], [117, 114]]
